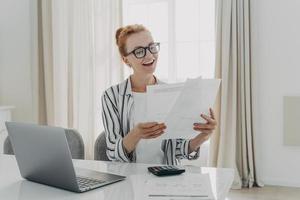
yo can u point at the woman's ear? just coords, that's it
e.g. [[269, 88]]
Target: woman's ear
[[125, 60]]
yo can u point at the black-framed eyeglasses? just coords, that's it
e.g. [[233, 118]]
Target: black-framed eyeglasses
[[140, 52]]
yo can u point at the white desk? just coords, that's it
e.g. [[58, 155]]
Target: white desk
[[13, 187]]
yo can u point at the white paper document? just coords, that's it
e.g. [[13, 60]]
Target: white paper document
[[187, 186], [160, 100], [179, 105]]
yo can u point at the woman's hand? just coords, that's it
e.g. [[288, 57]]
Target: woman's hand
[[205, 129], [149, 130], [146, 130]]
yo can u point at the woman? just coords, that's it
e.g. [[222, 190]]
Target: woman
[[128, 137]]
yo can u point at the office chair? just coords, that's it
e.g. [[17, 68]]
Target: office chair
[[100, 148], [74, 140]]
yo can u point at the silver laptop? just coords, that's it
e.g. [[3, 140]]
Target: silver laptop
[[43, 156]]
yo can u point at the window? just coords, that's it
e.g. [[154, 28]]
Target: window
[[185, 29]]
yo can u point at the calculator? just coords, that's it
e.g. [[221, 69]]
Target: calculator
[[165, 170]]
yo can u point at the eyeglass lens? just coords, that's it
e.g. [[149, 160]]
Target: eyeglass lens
[[141, 52]]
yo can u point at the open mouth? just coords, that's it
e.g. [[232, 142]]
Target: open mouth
[[149, 63]]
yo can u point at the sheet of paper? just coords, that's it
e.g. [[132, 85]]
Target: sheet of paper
[[197, 96], [180, 105], [180, 119], [160, 100], [185, 186]]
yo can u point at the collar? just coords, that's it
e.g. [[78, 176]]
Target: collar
[[125, 86]]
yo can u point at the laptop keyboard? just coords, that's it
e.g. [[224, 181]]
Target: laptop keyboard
[[85, 182]]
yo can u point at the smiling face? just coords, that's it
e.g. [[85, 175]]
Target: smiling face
[[145, 65]]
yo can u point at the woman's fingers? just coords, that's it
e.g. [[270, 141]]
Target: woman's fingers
[[148, 124], [212, 114], [204, 126], [208, 119], [208, 131], [203, 129], [153, 131], [209, 126], [155, 128], [154, 134]]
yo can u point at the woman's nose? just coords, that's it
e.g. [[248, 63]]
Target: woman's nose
[[148, 54]]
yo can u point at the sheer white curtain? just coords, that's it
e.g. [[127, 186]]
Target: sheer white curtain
[[78, 60], [233, 143]]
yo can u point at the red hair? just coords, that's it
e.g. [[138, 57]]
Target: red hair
[[124, 32]]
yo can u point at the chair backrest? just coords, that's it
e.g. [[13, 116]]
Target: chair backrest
[[7, 147], [74, 140], [100, 148]]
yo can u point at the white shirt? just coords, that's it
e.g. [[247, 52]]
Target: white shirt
[[147, 150], [117, 117]]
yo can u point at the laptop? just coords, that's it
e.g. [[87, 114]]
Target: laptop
[[43, 156]]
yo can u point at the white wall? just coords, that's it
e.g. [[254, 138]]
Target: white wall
[[18, 57], [276, 62]]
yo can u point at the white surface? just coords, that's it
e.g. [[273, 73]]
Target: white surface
[[197, 96], [2, 108], [160, 100], [13, 187], [191, 99], [186, 110], [18, 57], [147, 150], [5, 115], [276, 71], [180, 187]]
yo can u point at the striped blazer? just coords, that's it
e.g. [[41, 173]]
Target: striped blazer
[[117, 104]]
